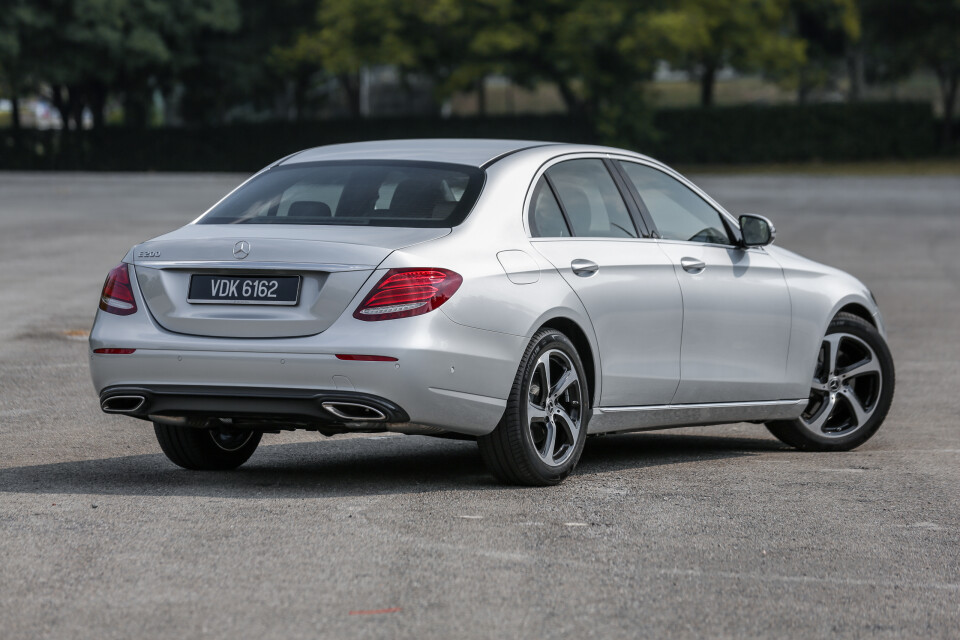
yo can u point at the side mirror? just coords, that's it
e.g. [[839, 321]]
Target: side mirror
[[756, 231]]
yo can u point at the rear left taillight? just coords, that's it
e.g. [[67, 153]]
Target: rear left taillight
[[402, 293], [117, 295]]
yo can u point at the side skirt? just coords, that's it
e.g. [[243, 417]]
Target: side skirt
[[613, 419]]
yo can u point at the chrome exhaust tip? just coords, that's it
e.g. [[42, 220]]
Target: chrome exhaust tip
[[122, 404], [354, 411]]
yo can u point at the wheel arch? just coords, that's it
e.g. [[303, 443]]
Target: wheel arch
[[858, 310], [858, 304], [588, 356]]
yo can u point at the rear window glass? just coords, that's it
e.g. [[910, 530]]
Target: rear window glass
[[376, 194]]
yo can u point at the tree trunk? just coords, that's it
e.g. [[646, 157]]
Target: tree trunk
[[300, 87], [803, 87], [949, 84], [350, 82], [708, 81], [59, 101], [482, 97], [136, 110], [573, 104], [855, 72], [98, 104], [15, 112], [75, 104]]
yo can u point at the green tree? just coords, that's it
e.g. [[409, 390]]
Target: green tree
[[17, 22], [237, 70], [925, 34], [750, 35], [351, 35], [830, 31], [87, 49]]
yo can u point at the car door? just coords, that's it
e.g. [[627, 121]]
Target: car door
[[736, 307], [582, 224]]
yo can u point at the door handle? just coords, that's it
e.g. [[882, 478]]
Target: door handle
[[584, 268], [692, 265]]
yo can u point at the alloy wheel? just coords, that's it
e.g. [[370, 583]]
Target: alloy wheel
[[845, 387], [554, 407]]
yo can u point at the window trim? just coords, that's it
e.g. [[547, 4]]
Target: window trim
[[626, 192]]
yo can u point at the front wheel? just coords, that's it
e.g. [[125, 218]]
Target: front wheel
[[199, 449], [851, 391], [540, 437]]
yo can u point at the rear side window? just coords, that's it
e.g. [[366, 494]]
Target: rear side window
[[591, 199], [546, 218], [377, 194]]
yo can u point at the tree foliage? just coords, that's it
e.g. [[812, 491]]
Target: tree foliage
[[925, 35], [705, 36], [215, 60]]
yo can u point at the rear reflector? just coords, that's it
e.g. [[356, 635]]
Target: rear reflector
[[117, 296], [114, 352], [402, 293], [362, 358]]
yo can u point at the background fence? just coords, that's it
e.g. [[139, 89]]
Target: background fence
[[739, 134]]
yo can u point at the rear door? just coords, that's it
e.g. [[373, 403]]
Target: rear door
[[581, 223], [736, 307]]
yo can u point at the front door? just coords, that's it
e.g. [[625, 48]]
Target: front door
[[736, 307]]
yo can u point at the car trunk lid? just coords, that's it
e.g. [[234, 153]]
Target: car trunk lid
[[332, 264]]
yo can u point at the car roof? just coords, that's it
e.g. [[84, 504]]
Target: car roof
[[468, 151]]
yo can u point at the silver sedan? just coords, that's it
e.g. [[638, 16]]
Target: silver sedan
[[522, 294]]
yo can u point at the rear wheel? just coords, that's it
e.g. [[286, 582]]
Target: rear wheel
[[206, 449], [540, 437], [851, 391]]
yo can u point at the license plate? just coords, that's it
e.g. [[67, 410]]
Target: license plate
[[206, 289]]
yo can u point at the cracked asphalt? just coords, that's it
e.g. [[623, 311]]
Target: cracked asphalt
[[709, 532]]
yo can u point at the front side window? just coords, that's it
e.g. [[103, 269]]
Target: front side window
[[376, 194], [591, 199], [678, 212]]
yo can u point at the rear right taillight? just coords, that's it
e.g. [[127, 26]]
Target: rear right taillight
[[117, 295], [402, 293]]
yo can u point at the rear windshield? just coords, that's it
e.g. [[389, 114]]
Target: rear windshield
[[366, 193]]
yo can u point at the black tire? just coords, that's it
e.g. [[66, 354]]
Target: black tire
[[206, 449], [510, 451], [800, 434]]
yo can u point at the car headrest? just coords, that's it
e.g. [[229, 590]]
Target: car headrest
[[308, 209], [415, 198]]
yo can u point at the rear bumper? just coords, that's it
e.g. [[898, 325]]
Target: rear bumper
[[446, 375], [298, 405]]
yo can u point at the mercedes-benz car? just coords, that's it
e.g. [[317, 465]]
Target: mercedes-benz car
[[522, 294]]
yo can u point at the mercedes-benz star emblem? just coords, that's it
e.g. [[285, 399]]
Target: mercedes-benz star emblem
[[241, 250]]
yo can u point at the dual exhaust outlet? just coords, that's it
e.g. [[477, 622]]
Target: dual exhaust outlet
[[350, 411]]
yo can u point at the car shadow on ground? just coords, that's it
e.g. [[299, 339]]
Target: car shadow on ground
[[356, 467]]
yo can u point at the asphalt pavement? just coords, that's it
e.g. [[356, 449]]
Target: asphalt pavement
[[709, 532]]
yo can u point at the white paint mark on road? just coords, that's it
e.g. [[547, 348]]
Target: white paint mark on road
[[847, 582]]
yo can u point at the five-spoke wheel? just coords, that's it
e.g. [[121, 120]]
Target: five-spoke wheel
[[851, 391], [554, 408], [845, 388], [541, 435]]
